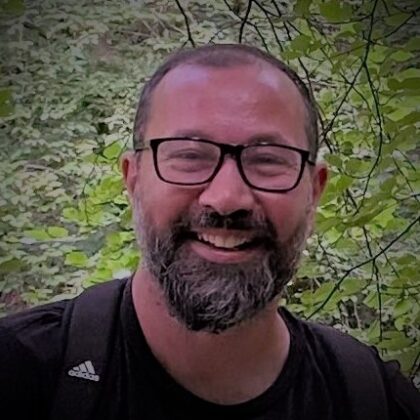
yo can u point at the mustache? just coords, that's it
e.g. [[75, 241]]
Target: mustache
[[244, 220]]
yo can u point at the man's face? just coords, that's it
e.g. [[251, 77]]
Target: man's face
[[222, 251]]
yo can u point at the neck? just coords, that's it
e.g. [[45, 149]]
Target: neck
[[226, 368]]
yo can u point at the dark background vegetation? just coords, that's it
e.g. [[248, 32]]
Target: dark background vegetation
[[71, 71]]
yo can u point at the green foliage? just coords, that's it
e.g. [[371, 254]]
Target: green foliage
[[70, 75]]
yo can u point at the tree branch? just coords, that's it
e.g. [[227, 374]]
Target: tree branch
[[375, 273], [187, 23], [244, 21], [361, 264], [356, 76], [273, 28]]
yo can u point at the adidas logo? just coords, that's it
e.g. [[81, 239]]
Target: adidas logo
[[85, 371]]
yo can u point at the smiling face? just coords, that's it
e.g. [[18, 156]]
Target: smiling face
[[222, 251]]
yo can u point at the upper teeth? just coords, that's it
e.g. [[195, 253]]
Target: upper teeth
[[223, 241]]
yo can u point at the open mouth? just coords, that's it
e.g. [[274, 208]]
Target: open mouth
[[227, 241]]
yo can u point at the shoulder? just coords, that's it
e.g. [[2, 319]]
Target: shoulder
[[37, 330], [361, 369], [31, 344], [42, 331]]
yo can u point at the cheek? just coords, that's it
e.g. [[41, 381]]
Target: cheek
[[163, 203], [287, 213]]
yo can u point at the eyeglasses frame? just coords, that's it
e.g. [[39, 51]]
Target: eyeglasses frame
[[233, 150]]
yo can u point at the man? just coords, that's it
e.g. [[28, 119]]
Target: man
[[224, 184]]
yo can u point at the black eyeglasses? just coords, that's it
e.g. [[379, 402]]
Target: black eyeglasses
[[192, 161]]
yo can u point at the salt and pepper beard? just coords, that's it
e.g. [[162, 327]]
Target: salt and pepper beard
[[212, 297]]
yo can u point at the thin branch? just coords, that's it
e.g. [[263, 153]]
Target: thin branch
[[380, 133], [309, 82], [385, 7], [356, 76], [187, 23], [273, 2], [394, 270], [408, 160], [273, 28], [416, 365], [305, 70], [247, 22], [375, 270], [221, 29], [407, 181], [325, 253], [361, 264], [244, 21], [413, 13]]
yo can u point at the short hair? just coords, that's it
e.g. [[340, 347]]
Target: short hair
[[224, 56]]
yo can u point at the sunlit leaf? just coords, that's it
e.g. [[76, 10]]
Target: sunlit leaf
[[76, 258]]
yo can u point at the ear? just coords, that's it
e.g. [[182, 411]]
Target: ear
[[319, 176], [319, 181], [130, 169]]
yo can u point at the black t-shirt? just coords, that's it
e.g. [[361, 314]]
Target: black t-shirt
[[138, 387]]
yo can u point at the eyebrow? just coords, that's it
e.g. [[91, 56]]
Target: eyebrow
[[270, 137], [199, 134]]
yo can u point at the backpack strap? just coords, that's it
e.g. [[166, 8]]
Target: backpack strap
[[361, 372], [91, 320]]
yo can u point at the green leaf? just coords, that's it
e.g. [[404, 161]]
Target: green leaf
[[366, 216], [379, 53], [401, 56], [335, 11], [302, 7], [358, 166], [396, 19], [399, 114], [15, 7], [11, 266], [388, 185], [325, 224], [406, 358], [334, 160], [413, 44], [371, 300], [301, 43], [38, 234], [113, 151], [6, 107], [57, 232], [373, 332], [386, 216], [351, 286], [309, 269], [77, 259], [399, 342], [322, 292], [407, 83], [344, 182], [402, 307]]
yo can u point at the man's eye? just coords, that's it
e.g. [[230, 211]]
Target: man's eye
[[267, 160], [188, 155]]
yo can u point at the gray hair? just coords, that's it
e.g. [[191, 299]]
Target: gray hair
[[224, 56]]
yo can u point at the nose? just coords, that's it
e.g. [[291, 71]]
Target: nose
[[227, 192]]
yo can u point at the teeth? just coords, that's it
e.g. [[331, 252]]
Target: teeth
[[223, 241]]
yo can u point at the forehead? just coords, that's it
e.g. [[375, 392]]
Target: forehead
[[232, 103]]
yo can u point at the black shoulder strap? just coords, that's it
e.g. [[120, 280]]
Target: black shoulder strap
[[361, 372], [91, 320]]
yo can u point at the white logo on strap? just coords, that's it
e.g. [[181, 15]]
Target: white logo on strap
[[85, 371]]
